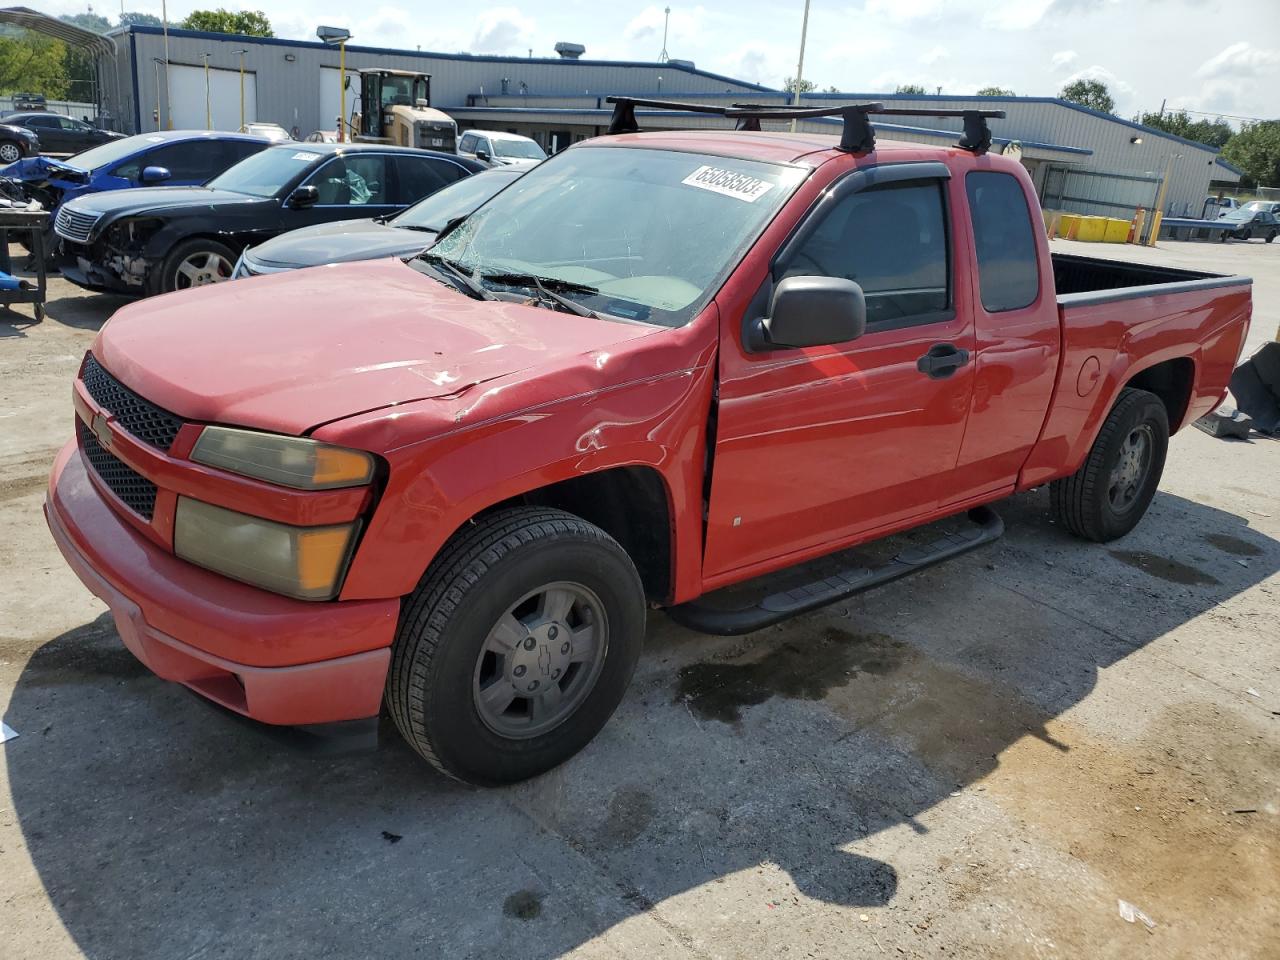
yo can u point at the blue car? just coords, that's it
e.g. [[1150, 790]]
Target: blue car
[[172, 157]]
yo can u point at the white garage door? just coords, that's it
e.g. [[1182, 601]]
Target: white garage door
[[187, 88], [329, 90]]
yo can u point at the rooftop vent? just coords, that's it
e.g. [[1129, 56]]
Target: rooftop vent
[[570, 51], [687, 64]]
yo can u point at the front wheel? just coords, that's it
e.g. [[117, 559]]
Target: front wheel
[[1271, 236], [10, 152], [196, 263], [1111, 491], [517, 645]]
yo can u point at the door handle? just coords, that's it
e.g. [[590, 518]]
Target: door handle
[[942, 360]]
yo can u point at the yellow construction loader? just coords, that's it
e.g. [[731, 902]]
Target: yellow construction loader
[[396, 108]]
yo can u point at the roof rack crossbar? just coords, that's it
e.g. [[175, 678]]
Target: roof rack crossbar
[[857, 137]]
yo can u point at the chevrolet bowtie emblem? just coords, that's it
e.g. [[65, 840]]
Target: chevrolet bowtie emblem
[[100, 429]]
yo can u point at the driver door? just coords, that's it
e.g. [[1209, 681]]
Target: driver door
[[354, 186], [819, 446]]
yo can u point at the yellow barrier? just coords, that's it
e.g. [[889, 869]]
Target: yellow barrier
[[1067, 225], [1117, 231], [1092, 229]]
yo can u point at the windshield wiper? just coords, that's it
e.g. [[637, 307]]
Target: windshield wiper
[[415, 226], [459, 278], [451, 225], [542, 285]]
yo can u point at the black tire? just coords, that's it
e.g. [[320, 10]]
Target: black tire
[[439, 650], [220, 259], [10, 152], [1271, 236], [1086, 502]]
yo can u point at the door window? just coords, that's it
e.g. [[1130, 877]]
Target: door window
[[419, 177], [45, 122], [467, 144], [188, 161], [353, 180], [1008, 267], [891, 241]]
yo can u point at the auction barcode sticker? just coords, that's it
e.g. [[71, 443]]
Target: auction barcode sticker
[[740, 186]]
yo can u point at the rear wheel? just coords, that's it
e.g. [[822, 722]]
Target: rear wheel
[[196, 263], [10, 152], [1111, 491], [517, 645], [1271, 236]]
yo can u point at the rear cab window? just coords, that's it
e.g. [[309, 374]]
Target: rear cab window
[[1004, 242]]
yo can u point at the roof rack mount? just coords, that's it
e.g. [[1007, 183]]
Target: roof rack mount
[[857, 136]]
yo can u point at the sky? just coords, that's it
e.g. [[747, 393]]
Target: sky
[[1217, 56]]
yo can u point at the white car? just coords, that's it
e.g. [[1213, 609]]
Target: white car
[[272, 131], [498, 148]]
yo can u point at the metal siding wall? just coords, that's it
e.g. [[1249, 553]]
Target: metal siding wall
[[287, 91]]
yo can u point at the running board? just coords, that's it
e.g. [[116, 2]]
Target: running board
[[776, 607]]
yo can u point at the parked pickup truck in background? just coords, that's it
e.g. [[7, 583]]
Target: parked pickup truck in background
[[656, 366]]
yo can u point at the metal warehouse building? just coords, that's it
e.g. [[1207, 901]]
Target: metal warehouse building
[[1081, 160]]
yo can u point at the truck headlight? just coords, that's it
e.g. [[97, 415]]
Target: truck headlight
[[303, 562], [288, 461]]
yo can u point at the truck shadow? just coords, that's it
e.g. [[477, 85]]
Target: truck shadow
[[160, 831]]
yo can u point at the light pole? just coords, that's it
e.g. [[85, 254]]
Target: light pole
[[208, 107], [1158, 215], [168, 94], [662, 57], [242, 53], [157, 61], [339, 36], [804, 34]]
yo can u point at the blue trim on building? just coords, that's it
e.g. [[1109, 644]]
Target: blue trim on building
[[465, 57], [832, 121], [1230, 166]]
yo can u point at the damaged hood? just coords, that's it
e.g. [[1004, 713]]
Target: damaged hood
[[41, 169], [291, 351], [141, 200]]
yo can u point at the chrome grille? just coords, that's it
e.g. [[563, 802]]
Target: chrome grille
[[73, 225]]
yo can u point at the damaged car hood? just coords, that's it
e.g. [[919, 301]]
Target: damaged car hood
[[292, 351], [44, 169], [143, 200]]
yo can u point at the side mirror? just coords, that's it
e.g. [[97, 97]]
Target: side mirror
[[810, 312], [155, 174], [303, 197], [483, 155]]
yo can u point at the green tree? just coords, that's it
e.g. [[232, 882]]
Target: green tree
[[996, 92], [1256, 151], [88, 21], [1213, 132], [806, 86], [910, 88], [140, 20], [249, 23], [33, 63], [1089, 93]]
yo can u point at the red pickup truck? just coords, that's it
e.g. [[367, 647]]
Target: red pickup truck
[[656, 366]]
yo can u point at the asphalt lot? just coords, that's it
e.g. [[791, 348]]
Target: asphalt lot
[[981, 761]]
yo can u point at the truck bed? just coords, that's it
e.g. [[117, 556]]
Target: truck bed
[[1086, 280]]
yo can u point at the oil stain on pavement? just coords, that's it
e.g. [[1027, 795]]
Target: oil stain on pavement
[[1170, 570], [523, 905], [802, 668], [1233, 545]]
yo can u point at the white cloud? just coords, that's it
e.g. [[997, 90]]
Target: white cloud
[[1241, 59], [686, 25], [1063, 59], [901, 11], [1016, 14], [502, 30], [934, 55]]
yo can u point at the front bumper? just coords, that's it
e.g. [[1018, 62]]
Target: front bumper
[[185, 623]]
